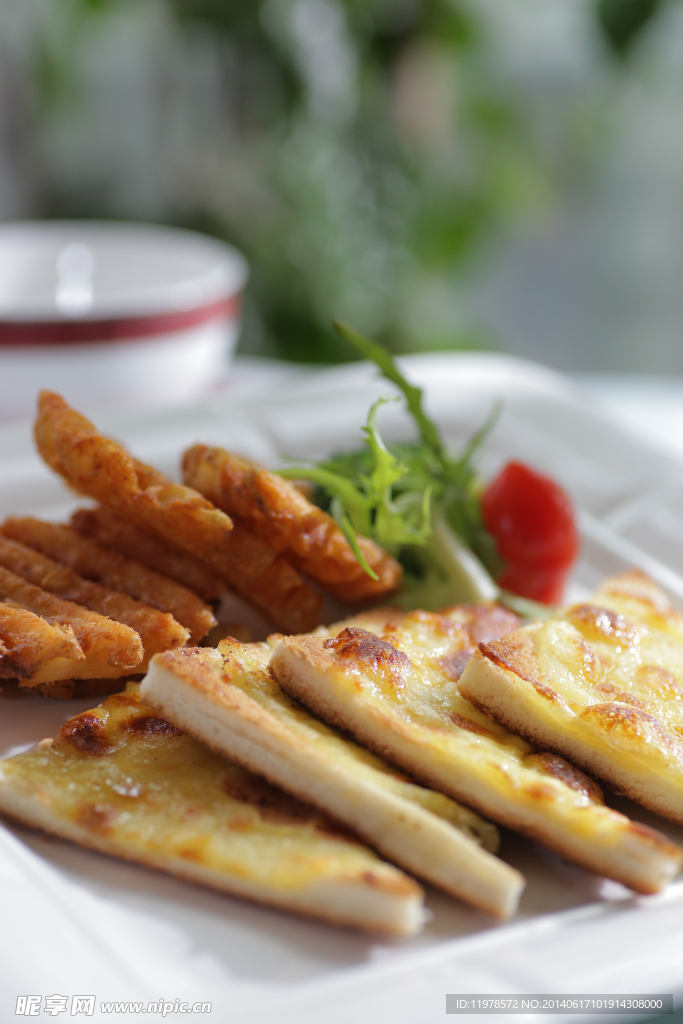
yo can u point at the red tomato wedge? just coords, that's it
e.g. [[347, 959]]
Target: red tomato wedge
[[533, 522]]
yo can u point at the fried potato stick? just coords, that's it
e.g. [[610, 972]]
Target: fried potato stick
[[108, 649], [277, 512], [67, 689], [102, 565], [158, 631], [278, 589], [104, 470], [267, 580], [107, 528], [27, 641]]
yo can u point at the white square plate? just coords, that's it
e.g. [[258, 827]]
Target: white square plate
[[79, 922]]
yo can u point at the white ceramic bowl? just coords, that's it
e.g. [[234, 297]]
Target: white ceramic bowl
[[114, 314]]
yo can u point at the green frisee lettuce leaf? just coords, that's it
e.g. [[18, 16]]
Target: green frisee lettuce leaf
[[416, 500]]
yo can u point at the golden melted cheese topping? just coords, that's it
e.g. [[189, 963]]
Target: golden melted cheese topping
[[414, 692], [122, 773], [245, 666], [617, 664]]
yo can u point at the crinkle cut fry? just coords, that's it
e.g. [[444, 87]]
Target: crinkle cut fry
[[280, 592], [267, 580], [101, 565], [104, 526], [28, 641], [105, 471], [158, 630], [108, 649], [275, 510]]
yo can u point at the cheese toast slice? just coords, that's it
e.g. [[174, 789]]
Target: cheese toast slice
[[396, 691], [125, 782], [601, 683], [228, 699]]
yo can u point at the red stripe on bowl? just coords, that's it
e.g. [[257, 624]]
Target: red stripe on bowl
[[74, 332]]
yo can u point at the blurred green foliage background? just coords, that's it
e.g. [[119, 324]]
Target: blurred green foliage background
[[366, 155]]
